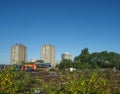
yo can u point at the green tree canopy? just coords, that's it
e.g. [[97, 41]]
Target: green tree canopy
[[65, 64], [40, 61], [94, 60]]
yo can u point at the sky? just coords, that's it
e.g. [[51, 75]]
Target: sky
[[69, 25]]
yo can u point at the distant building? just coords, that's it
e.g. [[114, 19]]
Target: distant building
[[33, 60], [18, 54], [48, 54], [66, 55]]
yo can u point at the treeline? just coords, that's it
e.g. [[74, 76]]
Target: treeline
[[94, 60]]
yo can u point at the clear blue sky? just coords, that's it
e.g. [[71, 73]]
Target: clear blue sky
[[69, 25]]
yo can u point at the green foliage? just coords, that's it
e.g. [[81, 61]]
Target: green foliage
[[86, 82], [102, 59], [105, 59], [52, 69], [90, 85], [94, 60], [65, 64], [14, 82], [83, 82], [81, 66], [83, 57], [40, 61], [85, 51]]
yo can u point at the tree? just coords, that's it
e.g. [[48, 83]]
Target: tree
[[85, 51], [114, 59], [105, 59], [40, 61], [84, 56], [77, 59], [82, 61], [65, 64], [80, 65], [102, 59]]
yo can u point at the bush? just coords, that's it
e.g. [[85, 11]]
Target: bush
[[84, 83], [14, 82]]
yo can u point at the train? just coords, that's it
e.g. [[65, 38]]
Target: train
[[26, 66]]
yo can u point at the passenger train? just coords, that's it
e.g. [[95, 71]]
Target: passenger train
[[26, 66]]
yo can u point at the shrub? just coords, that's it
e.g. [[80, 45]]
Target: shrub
[[14, 82]]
